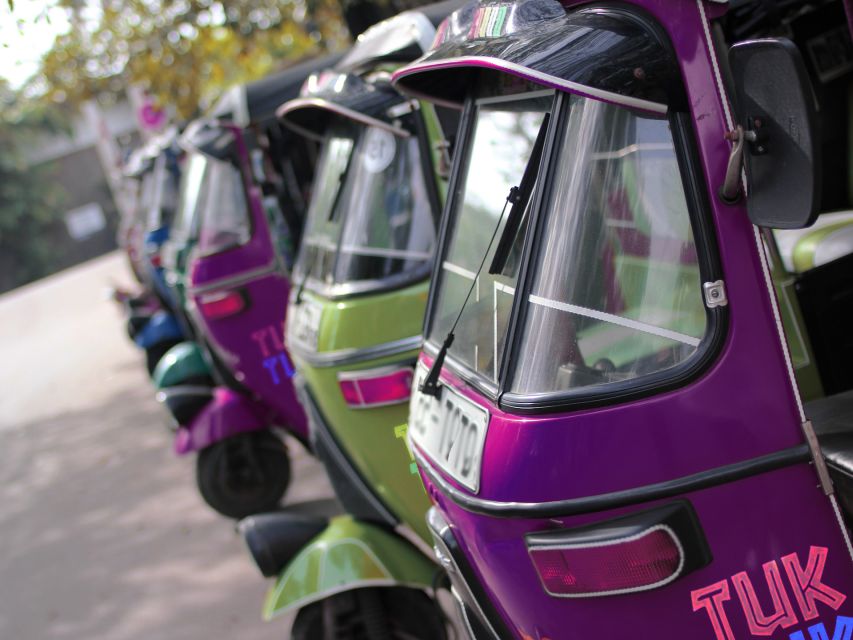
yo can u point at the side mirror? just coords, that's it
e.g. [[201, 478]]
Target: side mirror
[[776, 108]]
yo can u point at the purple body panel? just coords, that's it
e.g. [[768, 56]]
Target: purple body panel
[[250, 342], [743, 407], [228, 414]]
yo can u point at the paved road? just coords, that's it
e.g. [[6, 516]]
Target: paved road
[[102, 534]]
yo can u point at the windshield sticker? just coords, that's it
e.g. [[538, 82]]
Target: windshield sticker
[[400, 432], [379, 150], [805, 584]]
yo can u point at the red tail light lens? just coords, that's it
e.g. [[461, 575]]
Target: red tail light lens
[[156, 260], [376, 387], [645, 561], [218, 305]]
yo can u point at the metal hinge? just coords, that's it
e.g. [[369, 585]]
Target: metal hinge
[[817, 458], [402, 109], [715, 294]]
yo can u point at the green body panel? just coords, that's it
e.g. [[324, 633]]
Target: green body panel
[[366, 321], [799, 346], [803, 254], [348, 554], [371, 436], [182, 362], [434, 131]]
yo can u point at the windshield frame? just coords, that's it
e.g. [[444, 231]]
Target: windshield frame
[[238, 169], [189, 218], [701, 223], [342, 290]]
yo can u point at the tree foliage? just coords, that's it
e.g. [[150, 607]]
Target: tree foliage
[[183, 52], [30, 201]]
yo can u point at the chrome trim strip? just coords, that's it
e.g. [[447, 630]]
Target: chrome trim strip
[[236, 280], [352, 356], [438, 527], [524, 72]]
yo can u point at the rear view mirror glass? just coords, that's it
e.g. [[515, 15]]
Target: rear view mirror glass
[[776, 108]]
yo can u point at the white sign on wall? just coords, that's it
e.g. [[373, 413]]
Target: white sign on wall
[[85, 221]]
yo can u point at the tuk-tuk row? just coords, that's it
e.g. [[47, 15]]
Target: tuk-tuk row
[[558, 293]]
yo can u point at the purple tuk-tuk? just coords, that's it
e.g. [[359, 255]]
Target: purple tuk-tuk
[[606, 413], [237, 290]]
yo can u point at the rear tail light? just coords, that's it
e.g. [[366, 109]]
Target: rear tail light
[[636, 553], [622, 566], [156, 260], [376, 387], [218, 305]]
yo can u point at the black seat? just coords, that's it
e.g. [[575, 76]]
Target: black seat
[[275, 538], [832, 418]]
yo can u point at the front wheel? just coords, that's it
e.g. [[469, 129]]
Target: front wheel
[[244, 474], [379, 613]]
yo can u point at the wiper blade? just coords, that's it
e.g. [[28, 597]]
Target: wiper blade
[[430, 384], [297, 300], [519, 204], [341, 180], [518, 198]]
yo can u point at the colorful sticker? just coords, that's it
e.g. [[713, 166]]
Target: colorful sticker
[[379, 150]]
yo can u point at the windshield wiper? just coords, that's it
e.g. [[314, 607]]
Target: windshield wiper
[[517, 197], [298, 298], [341, 180], [430, 386], [519, 205]]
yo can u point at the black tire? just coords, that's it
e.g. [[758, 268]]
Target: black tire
[[245, 474], [378, 613], [154, 353]]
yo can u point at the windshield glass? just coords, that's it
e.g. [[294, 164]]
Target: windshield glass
[[370, 219], [505, 131], [224, 211], [188, 197], [159, 191], [617, 290]]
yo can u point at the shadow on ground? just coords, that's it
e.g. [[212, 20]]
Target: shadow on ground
[[103, 533]]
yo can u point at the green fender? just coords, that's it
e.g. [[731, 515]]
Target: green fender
[[182, 362], [803, 254], [348, 554]]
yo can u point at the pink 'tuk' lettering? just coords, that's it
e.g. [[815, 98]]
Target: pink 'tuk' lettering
[[711, 599], [761, 624], [807, 585]]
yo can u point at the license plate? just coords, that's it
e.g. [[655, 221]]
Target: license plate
[[303, 324], [451, 431]]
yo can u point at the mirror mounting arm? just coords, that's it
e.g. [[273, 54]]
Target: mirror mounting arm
[[730, 190]]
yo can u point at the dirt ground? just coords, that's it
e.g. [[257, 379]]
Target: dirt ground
[[103, 533]]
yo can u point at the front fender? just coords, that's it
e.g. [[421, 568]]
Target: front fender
[[183, 362], [228, 414], [162, 326], [348, 554]]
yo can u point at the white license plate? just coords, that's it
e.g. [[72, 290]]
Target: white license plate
[[303, 324], [451, 431]]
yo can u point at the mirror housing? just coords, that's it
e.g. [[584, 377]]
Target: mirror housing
[[776, 107]]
